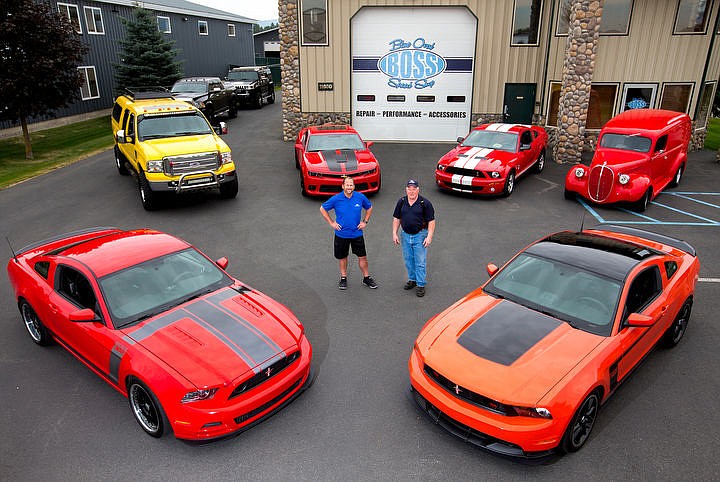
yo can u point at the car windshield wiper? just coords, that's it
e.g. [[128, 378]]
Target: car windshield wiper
[[191, 133]]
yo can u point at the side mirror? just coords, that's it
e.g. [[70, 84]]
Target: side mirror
[[217, 89], [221, 128], [492, 269], [369, 144], [222, 262], [83, 315], [636, 319], [120, 136], [524, 147], [460, 139]]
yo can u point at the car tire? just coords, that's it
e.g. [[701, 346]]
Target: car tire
[[509, 184], [642, 204], [258, 101], [232, 111], [678, 176], [675, 332], [569, 195], [146, 409], [229, 190], [271, 100], [120, 163], [540, 163], [581, 425], [148, 198], [210, 115], [303, 191], [297, 161], [34, 326]]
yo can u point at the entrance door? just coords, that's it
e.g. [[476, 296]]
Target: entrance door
[[519, 104]]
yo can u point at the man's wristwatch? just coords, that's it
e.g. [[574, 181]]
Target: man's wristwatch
[[366, 220]]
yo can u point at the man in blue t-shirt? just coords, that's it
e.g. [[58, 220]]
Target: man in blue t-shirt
[[348, 225]]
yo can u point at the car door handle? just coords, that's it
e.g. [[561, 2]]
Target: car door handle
[[53, 308], [664, 308]]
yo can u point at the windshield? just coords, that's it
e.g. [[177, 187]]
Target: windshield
[[582, 298], [159, 284], [332, 142], [191, 87], [631, 142], [160, 126], [504, 141], [246, 75]]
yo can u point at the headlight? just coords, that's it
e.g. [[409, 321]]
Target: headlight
[[155, 166], [314, 174], [198, 395], [579, 172], [441, 167], [533, 412], [495, 175], [624, 179], [226, 157]]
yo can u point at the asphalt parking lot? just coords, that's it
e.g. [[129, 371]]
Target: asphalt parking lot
[[61, 422]]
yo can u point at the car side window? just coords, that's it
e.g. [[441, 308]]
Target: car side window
[[123, 124], [130, 132], [117, 110], [661, 144], [644, 288], [526, 138], [42, 268], [76, 288], [670, 268]]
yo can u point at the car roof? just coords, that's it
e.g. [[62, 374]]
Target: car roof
[[644, 120], [117, 250], [499, 127], [332, 129], [158, 104], [601, 254], [249, 67], [199, 79]]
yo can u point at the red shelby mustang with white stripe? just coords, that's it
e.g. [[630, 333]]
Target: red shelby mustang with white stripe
[[195, 351], [491, 158]]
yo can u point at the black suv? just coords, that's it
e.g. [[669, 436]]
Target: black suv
[[208, 94], [254, 86]]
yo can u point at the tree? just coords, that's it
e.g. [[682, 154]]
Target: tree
[[39, 56], [147, 58]]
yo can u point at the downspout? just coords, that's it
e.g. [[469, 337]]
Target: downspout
[[547, 58], [707, 65]]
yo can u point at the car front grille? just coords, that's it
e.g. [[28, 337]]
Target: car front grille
[[247, 416], [362, 186], [465, 172], [467, 395], [600, 183], [185, 164], [464, 187], [265, 374]]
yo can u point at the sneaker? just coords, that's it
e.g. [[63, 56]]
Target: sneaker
[[420, 292], [369, 282], [410, 285], [342, 284]]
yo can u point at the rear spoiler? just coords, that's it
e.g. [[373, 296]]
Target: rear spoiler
[[79, 232], [641, 233]]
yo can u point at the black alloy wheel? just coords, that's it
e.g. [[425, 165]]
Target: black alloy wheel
[[675, 332], [581, 425], [146, 409], [34, 326]]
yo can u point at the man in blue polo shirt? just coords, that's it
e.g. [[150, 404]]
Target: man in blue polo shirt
[[348, 225]]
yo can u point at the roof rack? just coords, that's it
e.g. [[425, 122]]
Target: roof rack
[[154, 92]]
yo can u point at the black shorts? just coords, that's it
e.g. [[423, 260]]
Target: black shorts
[[342, 247]]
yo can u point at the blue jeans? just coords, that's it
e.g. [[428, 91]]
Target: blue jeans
[[414, 255]]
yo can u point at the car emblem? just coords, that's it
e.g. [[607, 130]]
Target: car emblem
[[457, 390], [194, 164], [268, 372]]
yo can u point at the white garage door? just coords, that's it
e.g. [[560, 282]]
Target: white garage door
[[412, 72]]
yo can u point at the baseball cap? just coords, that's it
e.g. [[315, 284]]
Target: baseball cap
[[413, 182]]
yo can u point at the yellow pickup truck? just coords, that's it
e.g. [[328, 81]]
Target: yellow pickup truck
[[170, 147]]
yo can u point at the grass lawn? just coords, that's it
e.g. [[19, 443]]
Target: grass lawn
[[712, 141], [53, 148]]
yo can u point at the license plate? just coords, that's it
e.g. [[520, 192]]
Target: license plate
[[200, 180]]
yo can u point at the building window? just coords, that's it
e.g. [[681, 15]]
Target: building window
[[615, 17], [600, 107], [231, 30], [704, 104], [314, 22], [526, 22], [676, 97], [89, 89], [638, 96], [93, 20], [692, 16], [202, 27], [72, 13], [164, 24]]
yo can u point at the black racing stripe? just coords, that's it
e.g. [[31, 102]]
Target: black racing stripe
[[507, 331], [337, 159], [158, 323], [234, 332]]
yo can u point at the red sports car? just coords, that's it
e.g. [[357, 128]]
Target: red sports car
[[521, 365], [194, 350], [326, 154], [491, 158]]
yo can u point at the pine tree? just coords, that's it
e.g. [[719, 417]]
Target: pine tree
[[147, 59]]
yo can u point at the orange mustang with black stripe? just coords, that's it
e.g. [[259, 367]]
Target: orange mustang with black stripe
[[195, 351], [522, 365]]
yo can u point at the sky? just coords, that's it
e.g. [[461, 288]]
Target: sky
[[256, 9]]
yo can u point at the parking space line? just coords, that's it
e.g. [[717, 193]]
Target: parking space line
[[684, 195]]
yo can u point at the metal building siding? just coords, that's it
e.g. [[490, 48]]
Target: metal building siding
[[496, 62]]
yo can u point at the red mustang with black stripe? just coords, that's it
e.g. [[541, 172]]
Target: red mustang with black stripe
[[326, 154], [196, 351]]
